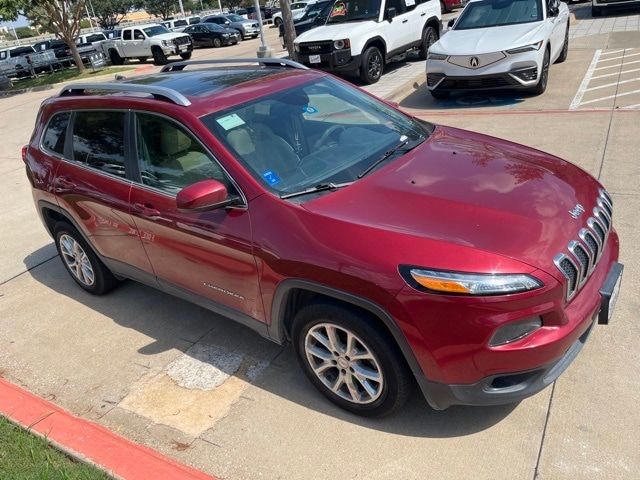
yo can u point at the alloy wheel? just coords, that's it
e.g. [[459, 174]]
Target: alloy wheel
[[76, 260], [344, 363], [375, 65]]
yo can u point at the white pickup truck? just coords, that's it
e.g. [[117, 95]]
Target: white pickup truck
[[361, 36], [144, 41]]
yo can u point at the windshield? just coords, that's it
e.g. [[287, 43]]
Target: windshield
[[350, 10], [315, 9], [317, 133], [155, 30], [493, 13], [236, 18]]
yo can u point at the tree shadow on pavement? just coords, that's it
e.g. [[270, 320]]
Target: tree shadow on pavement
[[172, 323]]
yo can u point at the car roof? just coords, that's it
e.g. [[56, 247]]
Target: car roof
[[214, 89]]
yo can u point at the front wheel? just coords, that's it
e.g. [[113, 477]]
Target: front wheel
[[372, 65], [186, 55], [565, 47], [115, 58], [429, 37], [217, 43], [541, 87], [277, 22], [159, 58], [352, 363], [81, 262]]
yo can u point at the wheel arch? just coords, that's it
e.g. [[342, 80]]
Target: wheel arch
[[376, 41], [435, 23], [292, 294]]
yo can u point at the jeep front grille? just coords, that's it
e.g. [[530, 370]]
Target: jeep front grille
[[583, 253]]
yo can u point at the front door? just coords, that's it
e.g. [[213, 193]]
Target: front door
[[92, 185], [205, 253]]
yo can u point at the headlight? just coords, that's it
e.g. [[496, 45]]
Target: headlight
[[167, 43], [225, 35], [468, 283], [340, 44], [527, 48], [436, 56]]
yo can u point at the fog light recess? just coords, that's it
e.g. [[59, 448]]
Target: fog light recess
[[515, 331]]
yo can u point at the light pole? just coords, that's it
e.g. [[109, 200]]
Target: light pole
[[181, 7], [89, 16], [263, 49]]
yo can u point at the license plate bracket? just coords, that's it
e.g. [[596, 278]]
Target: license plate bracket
[[609, 293], [315, 59]]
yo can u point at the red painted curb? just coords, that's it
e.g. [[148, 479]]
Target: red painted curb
[[89, 441]]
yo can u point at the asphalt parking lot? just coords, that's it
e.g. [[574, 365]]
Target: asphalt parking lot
[[213, 394]]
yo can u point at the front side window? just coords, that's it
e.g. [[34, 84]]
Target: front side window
[[236, 18], [320, 132], [54, 136], [98, 141], [155, 30], [170, 158], [353, 10], [494, 13]]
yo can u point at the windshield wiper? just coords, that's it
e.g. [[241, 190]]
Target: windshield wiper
[[318, 188], [386, 155]]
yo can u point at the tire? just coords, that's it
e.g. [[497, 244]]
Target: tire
[[541, 87], [217, 43], [242, 37], [115, 57], [143, 59], [438, 94], [186, 55], [565, 47], [159, 58], [93, 276], [277, 22], [596, 11], [379, 397], [372, 65], [429, 37]]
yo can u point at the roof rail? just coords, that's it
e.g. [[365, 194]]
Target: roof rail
[[283, 62], [158, 92]]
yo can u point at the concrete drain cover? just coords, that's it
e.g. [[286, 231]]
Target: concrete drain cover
[[204, 367]]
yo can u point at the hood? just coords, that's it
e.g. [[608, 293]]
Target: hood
[[473, 191], [169, 36], [335, 31], [487, 40]]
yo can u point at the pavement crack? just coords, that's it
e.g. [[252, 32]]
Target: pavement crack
[[27, 270], [544, 433]]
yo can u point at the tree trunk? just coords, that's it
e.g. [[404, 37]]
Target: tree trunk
[[289, 29], [76, 56]]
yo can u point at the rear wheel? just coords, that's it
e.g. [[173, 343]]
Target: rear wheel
[[541, 87], [81, 262], [372, 65], [429, 37], [217, 43], [242, 37], [353, 364], [159, 58], [115, 57]]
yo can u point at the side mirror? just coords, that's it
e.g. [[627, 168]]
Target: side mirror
[[391, 13], [553, 10], [227, 22], [204, 195], [451, 23]]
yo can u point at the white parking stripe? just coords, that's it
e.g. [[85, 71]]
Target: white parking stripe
[[630, 107], [585, 81], [621, 56], [618, 65], [613, 51], [612, 84], [615, 73], [610, 96]]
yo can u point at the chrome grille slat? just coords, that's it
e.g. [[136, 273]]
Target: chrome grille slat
[[586, 251]]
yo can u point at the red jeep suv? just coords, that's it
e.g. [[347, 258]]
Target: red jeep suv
[[385, 248]]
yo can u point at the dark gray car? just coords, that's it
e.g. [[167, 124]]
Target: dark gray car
[[247, 28]]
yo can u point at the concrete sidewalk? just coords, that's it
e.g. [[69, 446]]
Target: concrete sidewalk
[[214, 395]]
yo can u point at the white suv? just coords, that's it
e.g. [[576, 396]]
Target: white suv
[[297, 10], [361, 36]]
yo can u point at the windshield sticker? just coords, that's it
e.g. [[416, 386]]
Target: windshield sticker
[[339, 10], [308, 109], [409, 3], [271, 178], [230, 121]]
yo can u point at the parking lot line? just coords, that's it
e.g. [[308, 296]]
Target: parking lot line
[[621, 56], [610, 97], [585, 81], [629, 107], [616, 73], [614, 66], [612, 84], [612, 52]]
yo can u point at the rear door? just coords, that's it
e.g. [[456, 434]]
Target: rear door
[[209, 253], [92, 185]]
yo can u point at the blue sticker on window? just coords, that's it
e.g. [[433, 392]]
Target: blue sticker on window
[[271, 178], [309, 109]]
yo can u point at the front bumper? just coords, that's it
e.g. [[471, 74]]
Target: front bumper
[[337, 61], [177, 49], [518, 71]]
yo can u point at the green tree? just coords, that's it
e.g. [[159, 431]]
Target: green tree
[[160, 8], [111, 12], [61, 17], [25, 32]]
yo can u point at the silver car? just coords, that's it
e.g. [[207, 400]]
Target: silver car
[[247, 28]]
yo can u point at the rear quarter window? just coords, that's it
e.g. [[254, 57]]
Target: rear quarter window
[[56, 132]]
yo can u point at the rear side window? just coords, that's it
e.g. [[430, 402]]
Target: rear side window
[[98, 141], [126, 35], [56, 132]]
